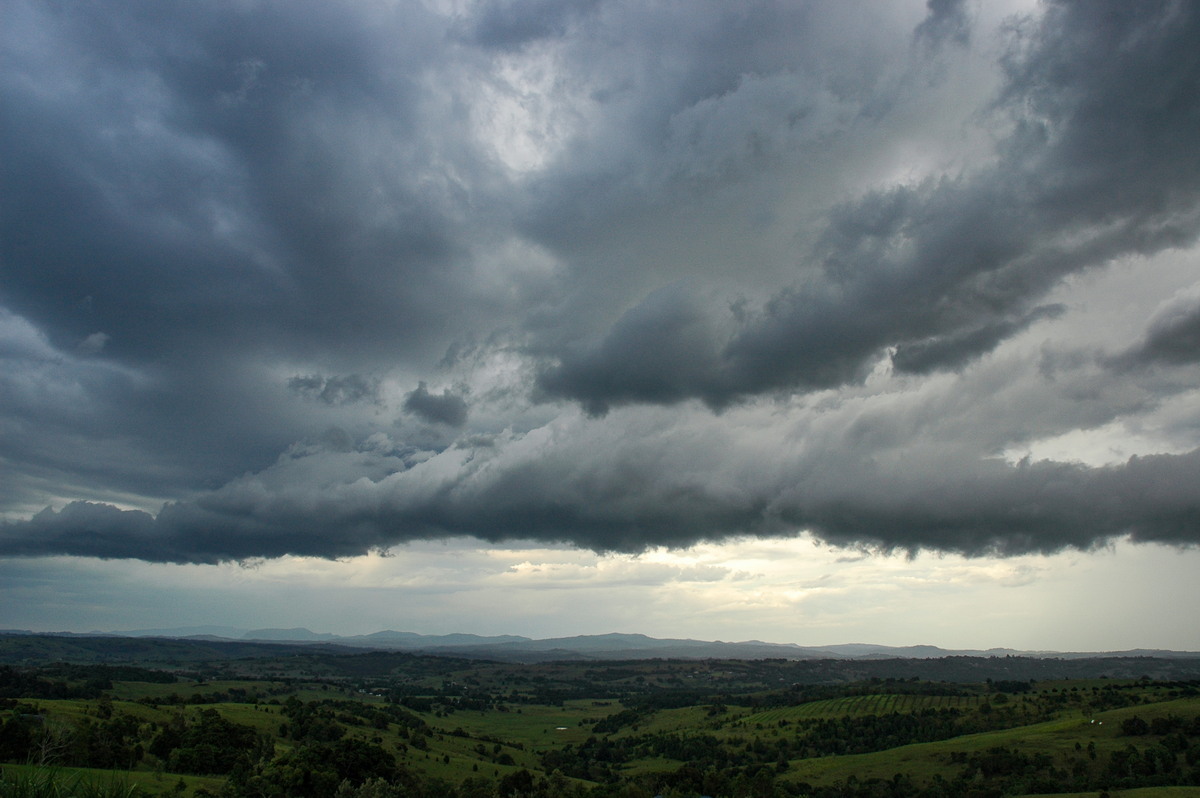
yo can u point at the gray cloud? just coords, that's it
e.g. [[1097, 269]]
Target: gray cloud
[[508, 24], [210, 214], [959, 347], [947, 21], [1173, 336], [251, 172], [448, 408], [87, 529], [627, 503], [659, 351], [1089, 174], [336, 390], [219, 189]]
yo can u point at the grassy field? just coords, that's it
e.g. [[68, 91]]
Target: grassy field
[[481, 720], [1056, 738], [859, 705], [536, 726]]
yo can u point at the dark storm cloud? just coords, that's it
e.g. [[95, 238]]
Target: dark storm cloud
[[510, 24], [229, 176], [657, 352], [1173, 336], [89, 530], [209, 213], [1100, 165], [1039, 507], [190, 192], [956, 349], [343, 390], [1176, 340], [947, 21], [447, 408], [987, 508]]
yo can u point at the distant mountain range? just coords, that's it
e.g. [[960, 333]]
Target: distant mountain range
[[513, 648]]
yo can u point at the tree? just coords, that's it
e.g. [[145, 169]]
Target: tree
[[1135, 726]]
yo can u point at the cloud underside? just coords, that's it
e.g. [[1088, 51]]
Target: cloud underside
[[942, 271], [993, 508], [689, 276]]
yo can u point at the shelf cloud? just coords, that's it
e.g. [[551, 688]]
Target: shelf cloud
[[659, 275]]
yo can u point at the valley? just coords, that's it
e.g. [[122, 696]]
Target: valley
[[182, 718]]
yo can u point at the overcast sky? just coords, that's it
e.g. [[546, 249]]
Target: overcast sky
[[800, 321]]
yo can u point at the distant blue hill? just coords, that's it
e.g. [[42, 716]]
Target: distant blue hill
[[612, 646], [225, 632], [294, 635]]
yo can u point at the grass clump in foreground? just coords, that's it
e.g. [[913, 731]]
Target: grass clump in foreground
[[1136, 792], [54, 783]]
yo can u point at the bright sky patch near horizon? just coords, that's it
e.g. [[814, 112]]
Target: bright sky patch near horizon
[[807, 322]]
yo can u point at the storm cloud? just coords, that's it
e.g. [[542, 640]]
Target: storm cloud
[[1173, 335], [448, 408], [539, 491], [336, 390], [733, 269], [1095, 168]]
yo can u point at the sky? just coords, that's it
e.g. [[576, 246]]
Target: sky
[[811, 322]]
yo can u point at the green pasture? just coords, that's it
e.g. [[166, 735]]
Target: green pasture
[[133, 691], [316, 692], [536, 726], [261, 692], [70, 709], [467, 743], [262, 719], [1082, 685], [1056, 738], [650, 765], [672, 720], [74, 710], [922, 761], [860, 705], [455, 758], [1177, 707]]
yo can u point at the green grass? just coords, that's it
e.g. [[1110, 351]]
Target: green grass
[[132, 691], [1137, 792], [1056, 738], [857, 706], [265, 720], [30, 781], [74, 710], [47, 783], [464, 743], [671, 720], [536, 726]]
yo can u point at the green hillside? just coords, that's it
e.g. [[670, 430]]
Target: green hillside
[[379, 725]]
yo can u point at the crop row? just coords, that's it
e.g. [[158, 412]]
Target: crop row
[[859, 705]]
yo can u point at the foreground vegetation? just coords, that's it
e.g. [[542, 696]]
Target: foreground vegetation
[[375, 725]]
